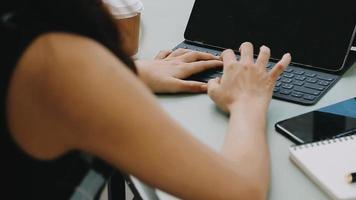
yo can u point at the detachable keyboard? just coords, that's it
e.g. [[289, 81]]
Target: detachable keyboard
[[296, 84]]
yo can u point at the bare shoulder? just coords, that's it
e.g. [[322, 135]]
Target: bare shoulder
[[59, 48], [62, 53], [52, 70]]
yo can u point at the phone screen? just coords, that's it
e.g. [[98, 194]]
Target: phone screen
[[332, 121]]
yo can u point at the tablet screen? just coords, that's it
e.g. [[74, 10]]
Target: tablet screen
[[317, 33], [328, 122]]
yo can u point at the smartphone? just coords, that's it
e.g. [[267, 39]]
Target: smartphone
[[332, 121]]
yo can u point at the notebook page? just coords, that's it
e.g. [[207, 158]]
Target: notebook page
[[327, 163]]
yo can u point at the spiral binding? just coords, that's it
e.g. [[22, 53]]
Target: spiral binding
[[323, 142]]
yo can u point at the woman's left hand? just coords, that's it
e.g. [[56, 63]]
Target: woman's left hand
[[165, 74]]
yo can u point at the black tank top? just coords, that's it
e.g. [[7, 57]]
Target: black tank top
[[75, 175]]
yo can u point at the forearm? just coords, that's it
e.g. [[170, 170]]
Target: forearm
[[246, 143]]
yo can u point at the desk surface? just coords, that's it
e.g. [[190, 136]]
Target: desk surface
[[164, 23]]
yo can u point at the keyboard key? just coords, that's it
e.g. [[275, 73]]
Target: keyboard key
[[275, 89], [299, 83], [289, 70], [287, 86], [314, 86], [300, 78], [286, 80], [298, 72], [278, 84], [287, 75], [309, 97], [324, 83], [310, 74], [285, 92], [306, 90], [312, 80], [297, 94], [325, 78]]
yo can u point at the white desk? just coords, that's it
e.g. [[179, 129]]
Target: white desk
[[164, 23]]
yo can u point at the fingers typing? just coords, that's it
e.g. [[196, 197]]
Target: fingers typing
[[246, 51], [179, 52], [229, 59], [190, 86], [163, 54], [280, 66], [263, 56], [194, 56], [200, 66]]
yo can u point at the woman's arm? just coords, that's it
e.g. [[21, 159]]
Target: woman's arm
[[245, 90], [69, 92]]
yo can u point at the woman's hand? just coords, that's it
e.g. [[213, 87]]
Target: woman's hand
[[245, 82], [165, 74]]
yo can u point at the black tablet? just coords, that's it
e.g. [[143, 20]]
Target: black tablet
[[333, 121], [317, 33]]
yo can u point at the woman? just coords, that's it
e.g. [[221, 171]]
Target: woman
[[73, 108]]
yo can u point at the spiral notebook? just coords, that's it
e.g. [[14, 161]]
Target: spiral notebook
[[327, 163]]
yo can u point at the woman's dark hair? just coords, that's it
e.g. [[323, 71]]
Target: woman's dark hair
[[89, 18]]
